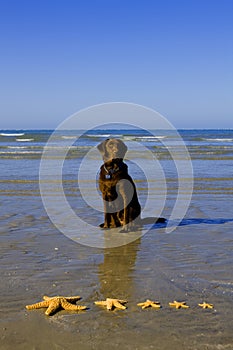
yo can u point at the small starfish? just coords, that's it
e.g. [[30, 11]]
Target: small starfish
[[148, 303], [206, 305], [112, 303], [179, 304], [55, 303]]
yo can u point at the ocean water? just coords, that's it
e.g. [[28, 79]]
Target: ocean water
[[210, 151], [193, 263]]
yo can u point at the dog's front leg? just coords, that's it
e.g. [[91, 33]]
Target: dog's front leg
[[107, 216], [113, 217], [125, 221], [126, 225]]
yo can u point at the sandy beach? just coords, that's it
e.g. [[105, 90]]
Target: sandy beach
[[191, 264], [194, 264]]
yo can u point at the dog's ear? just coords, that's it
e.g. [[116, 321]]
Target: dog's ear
[[123, 148], [102, 147]]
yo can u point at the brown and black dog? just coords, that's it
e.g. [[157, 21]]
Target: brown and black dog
[[121, 205]]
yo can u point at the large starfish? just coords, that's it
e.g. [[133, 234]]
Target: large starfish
[[112, 303], [179, 304], [205, 305], [148, 303], [55, 303]]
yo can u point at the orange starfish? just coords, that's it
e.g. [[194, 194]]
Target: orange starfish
[[179, 304], [112, 303], [148, 303], [205, 305], [55, 303]]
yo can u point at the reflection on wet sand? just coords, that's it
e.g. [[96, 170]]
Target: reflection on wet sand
[[116, 271]]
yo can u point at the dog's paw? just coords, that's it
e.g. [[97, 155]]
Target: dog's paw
[[125, 229], [103, 226]]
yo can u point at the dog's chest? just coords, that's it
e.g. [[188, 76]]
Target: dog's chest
[[109, 180], [107, 176]]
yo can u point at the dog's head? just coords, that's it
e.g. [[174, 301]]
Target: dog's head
[[112, 149]]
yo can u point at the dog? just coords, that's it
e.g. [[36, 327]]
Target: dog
[[121, 205]]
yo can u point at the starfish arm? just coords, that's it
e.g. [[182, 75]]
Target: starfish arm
[[145, 304], [117, 304], [172, 304], [81, 307], [156, 305], [103, 303], [37, 305], [53, 306], [68, 306], [183, 305], [140, 304], [109, 303], [72, 299]]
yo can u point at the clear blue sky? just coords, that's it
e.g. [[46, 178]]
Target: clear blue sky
[[58, 57]]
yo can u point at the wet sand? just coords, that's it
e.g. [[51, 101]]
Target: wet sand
[[192, 264]]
